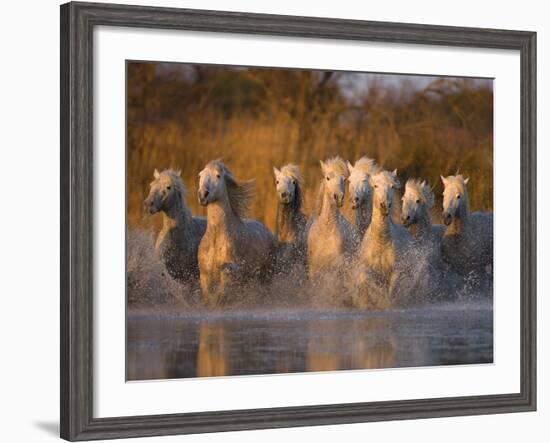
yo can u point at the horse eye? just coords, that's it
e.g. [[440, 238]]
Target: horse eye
[[418, 201], [218, 175], [375, 186], [277, 182], [458, 196], [328, 178]]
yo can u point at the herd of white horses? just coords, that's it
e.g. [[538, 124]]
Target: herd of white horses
[[370, 256]]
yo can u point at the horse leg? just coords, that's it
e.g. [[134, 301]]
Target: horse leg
[[393, 289], [208, 288], [360, 291], [229, 275]]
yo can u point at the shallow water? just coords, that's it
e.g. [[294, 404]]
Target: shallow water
[[200, 344]]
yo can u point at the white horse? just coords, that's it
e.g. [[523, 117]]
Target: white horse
[[384, 243], [331, 238], [360, 192], [291, 221], [178, 240], [427, 277], [233, 250], [467, 243], [416, 215]]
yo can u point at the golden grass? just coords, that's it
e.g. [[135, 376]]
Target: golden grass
[[181, 123]]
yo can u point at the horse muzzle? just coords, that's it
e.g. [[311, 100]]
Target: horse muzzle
[[406, 220], [339, 199], [284, 198], [203, 198], [150, 206]]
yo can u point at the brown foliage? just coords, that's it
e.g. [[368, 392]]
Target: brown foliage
[[183, 116]]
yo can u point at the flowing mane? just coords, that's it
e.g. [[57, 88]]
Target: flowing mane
[[239, 193], [366, 165], [338, 165]]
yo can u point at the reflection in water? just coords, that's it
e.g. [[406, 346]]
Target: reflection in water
[[365, 349], [211, 357], [203, 345]]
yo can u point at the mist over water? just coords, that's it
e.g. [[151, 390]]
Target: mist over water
[[293, 326]]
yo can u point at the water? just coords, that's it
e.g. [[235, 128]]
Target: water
[[205, 344], [290, 326]]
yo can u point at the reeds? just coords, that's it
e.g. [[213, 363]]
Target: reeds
[[183, 116]]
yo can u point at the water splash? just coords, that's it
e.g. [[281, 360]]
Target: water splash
[[148, 282], [420, 280]]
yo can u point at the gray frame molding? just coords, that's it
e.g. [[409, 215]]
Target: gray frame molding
[[77, 23]]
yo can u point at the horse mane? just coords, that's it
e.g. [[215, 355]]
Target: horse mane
[[389, 176], [293, 171], [239, 193], [366, 165], [337, 164], [422, 188]]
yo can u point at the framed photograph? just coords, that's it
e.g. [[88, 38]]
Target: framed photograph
[[273, 221]]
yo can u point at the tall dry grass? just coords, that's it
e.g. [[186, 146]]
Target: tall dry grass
[[186, 115]]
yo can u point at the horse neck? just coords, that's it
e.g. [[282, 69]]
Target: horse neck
[[460, 223], [329, 211], [423, 227], [288, 217], [380, 226], [220, 215], [178, 216], [363, 216]]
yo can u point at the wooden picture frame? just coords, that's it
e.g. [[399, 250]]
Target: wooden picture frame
[[77, 23]]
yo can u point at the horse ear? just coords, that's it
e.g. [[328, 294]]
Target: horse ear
[[423, 183], [276, 171], [350, 166], [323, 166], [156, 174], [178, 172], [394, 173], [466, 181], [444, 180]]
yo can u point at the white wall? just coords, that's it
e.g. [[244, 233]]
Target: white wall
[[29, 226]]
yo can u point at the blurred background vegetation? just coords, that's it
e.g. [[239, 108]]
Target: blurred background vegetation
[[184, 115]]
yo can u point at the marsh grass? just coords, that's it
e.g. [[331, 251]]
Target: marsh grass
[[183, 116]]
